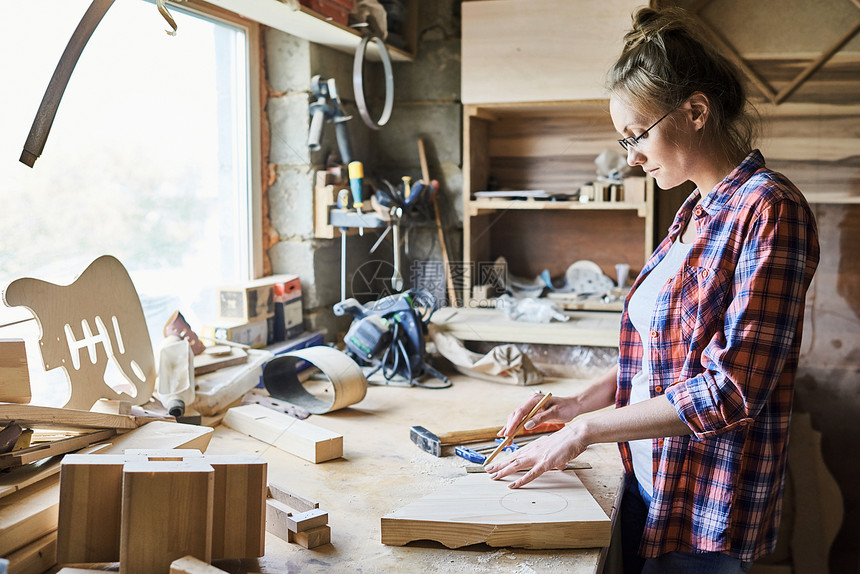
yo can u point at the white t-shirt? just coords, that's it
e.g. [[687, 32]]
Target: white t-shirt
[[640, 311]]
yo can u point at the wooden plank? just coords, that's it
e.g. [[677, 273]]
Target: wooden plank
[[46, 450], [310, 442], [515, 50], [89, 522], [28, 515], [41, 417], [36, 557], [167, 512], [14, 374], [191, 565], [554, 511], [162, 434]]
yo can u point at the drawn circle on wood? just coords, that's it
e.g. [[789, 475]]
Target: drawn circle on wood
[[533, 502]]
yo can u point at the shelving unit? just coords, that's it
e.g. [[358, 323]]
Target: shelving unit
[[549, 146], [295, 19]]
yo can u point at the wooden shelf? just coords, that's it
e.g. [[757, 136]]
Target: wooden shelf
[[587, 328], [493, 204], [294, 19]]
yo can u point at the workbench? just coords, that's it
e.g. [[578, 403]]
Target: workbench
[[382, 470]]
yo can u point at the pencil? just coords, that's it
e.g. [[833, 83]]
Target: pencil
[[518, 430]]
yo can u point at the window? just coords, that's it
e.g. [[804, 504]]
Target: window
[[149, 158]]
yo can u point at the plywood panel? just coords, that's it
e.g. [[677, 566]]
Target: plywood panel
[[553, 511], [540, 50]]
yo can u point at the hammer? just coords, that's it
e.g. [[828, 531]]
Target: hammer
[[433, 443]]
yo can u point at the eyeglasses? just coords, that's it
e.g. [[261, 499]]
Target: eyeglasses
[[627, 143]]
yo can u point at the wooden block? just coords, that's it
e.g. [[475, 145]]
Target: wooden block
[[36, 557], [300, 438], [239, 519], [162, 434], [89, 523], [553, 511], [28, 515], [191, 565], [167, 510], [14, 375], [168, 454], [276, 519], [303, 521], [313, 537], [78, 571], [290, 498], [112, 406]]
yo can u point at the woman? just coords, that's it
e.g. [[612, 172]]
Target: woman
[[710, 333]]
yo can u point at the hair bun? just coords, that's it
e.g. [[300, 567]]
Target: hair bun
[[649, 24]]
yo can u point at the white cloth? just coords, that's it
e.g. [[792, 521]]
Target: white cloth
[[640, 310]]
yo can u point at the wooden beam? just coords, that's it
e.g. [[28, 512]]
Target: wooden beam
[[35, 558], [816, 64], [310, 442]]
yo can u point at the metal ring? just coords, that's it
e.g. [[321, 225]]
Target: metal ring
[[358, 82]]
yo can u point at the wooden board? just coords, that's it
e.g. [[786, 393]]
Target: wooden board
[[48, 449], [14, 374], [51, 417], [167, 512], [95, 323], [554, 511], [303, 439], [540, 50], [36, 557], [162, 434], [28, 514]]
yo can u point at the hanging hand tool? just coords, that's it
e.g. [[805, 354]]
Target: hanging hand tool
[[327, 107], [356, 181], [343, 203], [396, 277], [425, 175]]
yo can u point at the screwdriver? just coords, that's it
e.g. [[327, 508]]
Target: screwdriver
[[356, 178]]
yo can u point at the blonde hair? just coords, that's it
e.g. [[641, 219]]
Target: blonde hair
[[665, 60]]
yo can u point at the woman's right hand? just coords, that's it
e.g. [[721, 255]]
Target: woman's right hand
[[555, 410]]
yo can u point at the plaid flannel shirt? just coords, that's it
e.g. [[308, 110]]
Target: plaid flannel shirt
[[725, 340]]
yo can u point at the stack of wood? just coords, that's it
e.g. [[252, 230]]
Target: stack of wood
[[30, 482], [294, 518]]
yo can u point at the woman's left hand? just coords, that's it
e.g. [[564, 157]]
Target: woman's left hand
[[546, 453]]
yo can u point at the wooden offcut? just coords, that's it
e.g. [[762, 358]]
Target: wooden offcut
[[167, 510], [553, 511], [14, 374], [46, 450], [192, 565], [161, 435], [305, 440]]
